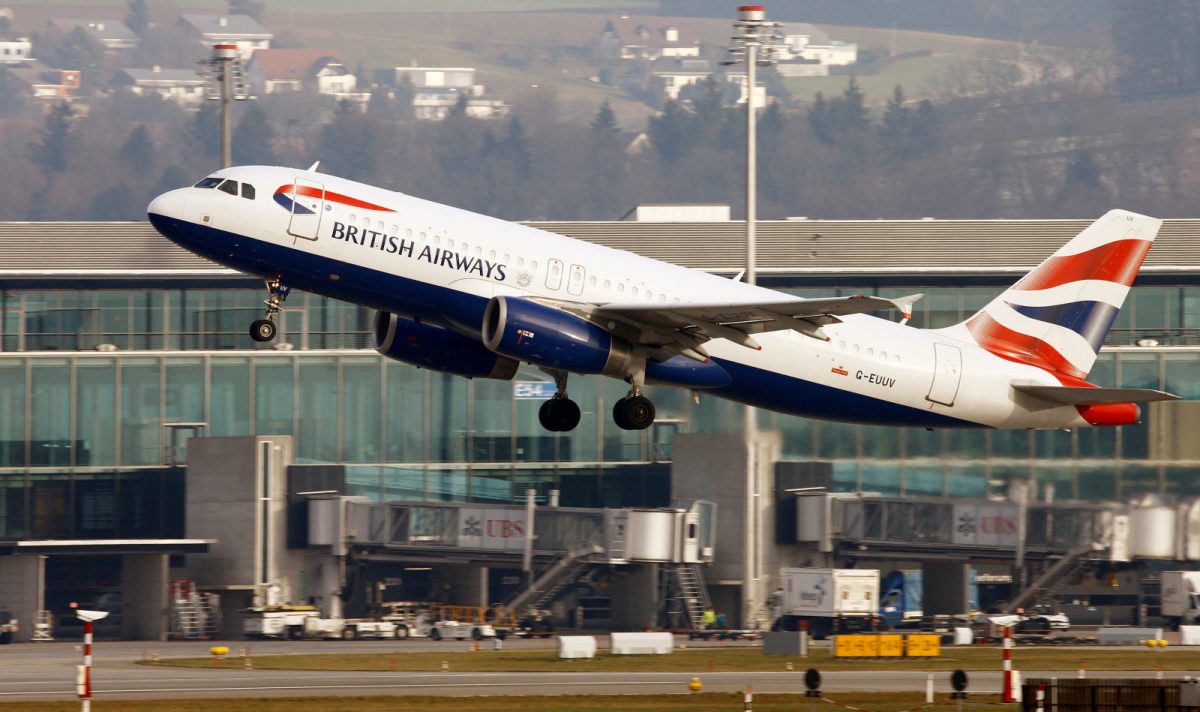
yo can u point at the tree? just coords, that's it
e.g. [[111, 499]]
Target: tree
[[254, 138], [12, 99], [137, 16], [54, 149], [671, 132], [605, 121], [137, 153], [204, 130], [78, 50], [253, 8], [896, 126]]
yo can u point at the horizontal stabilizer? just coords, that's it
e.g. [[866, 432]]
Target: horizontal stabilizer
[[1067, 395]]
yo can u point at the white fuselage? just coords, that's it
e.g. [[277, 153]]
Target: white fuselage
[[402, 254]]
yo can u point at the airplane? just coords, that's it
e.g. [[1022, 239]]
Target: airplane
[[476, 296]]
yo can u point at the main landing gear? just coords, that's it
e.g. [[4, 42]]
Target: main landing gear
[[559, 414], [264, 329], [634, 411]]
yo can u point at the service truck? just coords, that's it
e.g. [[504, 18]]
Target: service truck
[[1180, 598], [279, 621], [825, 600]]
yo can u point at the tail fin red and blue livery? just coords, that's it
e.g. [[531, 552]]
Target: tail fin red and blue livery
[[1057, 316]]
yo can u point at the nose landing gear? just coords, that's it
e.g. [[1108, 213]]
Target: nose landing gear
[[264, 329]]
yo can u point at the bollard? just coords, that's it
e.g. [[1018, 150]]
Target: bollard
[[929, 688], [788, 667], [1041, 697], [248, 665], [497, 643], [1006, 693], [1082, 670], [154, 658], [445, 666], [695, 685], [748, 700]]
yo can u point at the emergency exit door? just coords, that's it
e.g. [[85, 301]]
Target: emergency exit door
[[308, 203], [947, 372]]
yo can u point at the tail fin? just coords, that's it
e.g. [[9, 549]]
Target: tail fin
[[1057, 316]]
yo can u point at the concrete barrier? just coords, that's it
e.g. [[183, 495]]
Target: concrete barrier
[[1127, 636], [964, 636], [1189, 635], [641, 643], [576, 646]]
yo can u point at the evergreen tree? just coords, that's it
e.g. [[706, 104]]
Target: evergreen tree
[[896, 127], [137, 16], [1084, 171], [78, 50], [254, 138], [137, 153], [671, 132], [772, 122], [11, 98], [820, 120], [605, 121], [517, 149], [850, 110], [54, 149]]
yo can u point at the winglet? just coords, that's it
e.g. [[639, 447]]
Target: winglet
[[905, 305]]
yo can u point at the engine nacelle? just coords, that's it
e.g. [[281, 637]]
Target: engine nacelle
[[438, 349], [549, 337]]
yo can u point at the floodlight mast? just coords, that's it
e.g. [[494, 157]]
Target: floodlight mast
[[752, 32], [225, 66]]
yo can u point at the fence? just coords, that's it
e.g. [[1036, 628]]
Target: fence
[[1101, 695]]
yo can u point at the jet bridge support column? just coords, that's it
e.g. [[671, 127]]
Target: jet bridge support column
[[144, 583], [465, 584], [946, 587]]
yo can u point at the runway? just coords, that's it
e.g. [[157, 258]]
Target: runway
[[47, 672]]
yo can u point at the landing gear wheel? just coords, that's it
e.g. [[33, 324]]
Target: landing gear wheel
[[262, 330], [633, 413], [559, 414]]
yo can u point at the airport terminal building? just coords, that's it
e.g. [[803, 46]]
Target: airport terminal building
[[133, 402]]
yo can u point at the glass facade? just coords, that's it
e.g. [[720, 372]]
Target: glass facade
[[100, 389]]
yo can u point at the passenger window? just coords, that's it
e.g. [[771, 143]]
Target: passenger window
[[247, 191], [229, 186], [607, 284], [408, 232], [208, 183]]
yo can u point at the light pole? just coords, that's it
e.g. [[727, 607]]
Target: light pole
[[225, 67], [752, 33]]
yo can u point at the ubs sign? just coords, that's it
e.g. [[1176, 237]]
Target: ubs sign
[[492, 528], [986, 524]]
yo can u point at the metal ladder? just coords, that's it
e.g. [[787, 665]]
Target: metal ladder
[[43, 626], [185, 612], [546, 587], [692, 592], [210, 614]]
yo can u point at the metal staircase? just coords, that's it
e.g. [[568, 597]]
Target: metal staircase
[[691, 591], [1050, 577], [186, 618], [553, 581]]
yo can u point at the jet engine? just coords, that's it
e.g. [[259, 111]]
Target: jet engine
[[552, 338], [438, 349]]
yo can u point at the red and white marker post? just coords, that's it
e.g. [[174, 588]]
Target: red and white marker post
[[1006, 694], [83, 681]]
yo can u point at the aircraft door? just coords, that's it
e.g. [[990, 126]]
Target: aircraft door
[[554, 274], [308, 204], [576, 279], [947, 373]]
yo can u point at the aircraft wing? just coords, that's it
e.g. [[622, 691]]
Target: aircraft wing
[[1065, 395], [696, 323]]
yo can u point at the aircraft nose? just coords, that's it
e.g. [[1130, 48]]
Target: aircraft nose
[[168, 205]]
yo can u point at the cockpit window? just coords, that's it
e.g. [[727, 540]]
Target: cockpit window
[[209, 182], [247, 191], [229, 186]]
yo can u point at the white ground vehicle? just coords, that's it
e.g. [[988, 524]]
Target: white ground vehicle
[[1181, 598], [827, 600], [349, 629], [277, 621], [459, 630], [8, 626]]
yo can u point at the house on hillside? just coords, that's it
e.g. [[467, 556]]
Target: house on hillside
[[437, 90], [16, 51], [317, 71], [42, 82], [628, 37], [681, 73], [182, 86], [808, 51], [241, 30], [113, 34]]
